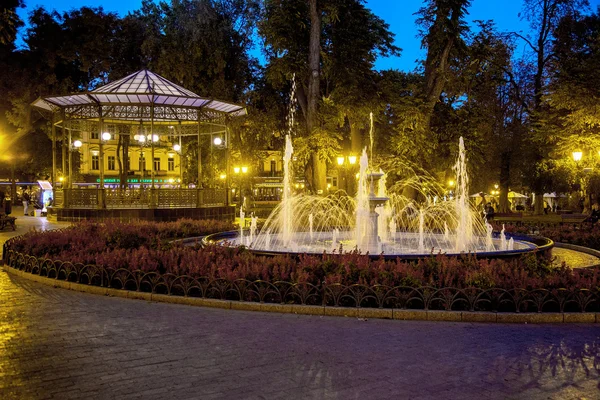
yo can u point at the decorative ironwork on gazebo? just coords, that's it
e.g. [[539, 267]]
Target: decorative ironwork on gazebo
[[147, 103]]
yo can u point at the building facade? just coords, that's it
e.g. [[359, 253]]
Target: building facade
[[167, 161]]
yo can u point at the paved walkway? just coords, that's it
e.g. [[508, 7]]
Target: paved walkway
[[25, 224], [60, 344], [574, 259]]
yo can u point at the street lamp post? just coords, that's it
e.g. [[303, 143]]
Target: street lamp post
[[451, 185], [74, 148], [142, 140], [577, 157], [240, 172], [219, 143], [177, 149]]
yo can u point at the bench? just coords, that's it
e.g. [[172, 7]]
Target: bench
[[563, 212], [507, 215], [574, 218], [6, 220]]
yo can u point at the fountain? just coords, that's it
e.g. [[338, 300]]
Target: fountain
[[375, 222]]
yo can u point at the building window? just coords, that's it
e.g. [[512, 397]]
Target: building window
[[171, 165], [95, 162], [94, 135], [273, 167], [156, 164], [142, 163], [111, 163]]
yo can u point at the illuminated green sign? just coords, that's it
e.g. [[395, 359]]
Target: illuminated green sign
[[132, 180]]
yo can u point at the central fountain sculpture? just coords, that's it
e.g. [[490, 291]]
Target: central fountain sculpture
[[371, 240], [375, 222]]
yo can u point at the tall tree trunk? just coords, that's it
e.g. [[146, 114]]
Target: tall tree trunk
[[505, 157], [119, 143], [538, 205], [543, 35], [314, 57], [355, 138], [319, 173], [125, 158]]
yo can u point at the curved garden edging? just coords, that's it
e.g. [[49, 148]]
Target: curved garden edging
[[400, 302]]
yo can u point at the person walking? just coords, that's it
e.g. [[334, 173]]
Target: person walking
[[26, 199]]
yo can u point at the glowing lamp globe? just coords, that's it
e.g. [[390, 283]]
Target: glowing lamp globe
[[77, 143], [177, 147], [218, 141], [106, 136]]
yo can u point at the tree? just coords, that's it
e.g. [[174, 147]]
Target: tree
[[330, 45], [442, 29], [9, 21], [544, 17], [492, 116], [203, 45], [575, 88]]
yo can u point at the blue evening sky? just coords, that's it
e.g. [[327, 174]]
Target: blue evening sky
[[399, 14]]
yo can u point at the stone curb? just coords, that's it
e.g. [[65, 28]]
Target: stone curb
[[363, 313]]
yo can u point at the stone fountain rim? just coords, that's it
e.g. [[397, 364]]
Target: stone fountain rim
[[528, 240]]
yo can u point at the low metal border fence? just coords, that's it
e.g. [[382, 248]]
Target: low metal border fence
[[336, 295]]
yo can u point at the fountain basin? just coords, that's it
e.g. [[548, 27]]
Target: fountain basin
[[322, 243]]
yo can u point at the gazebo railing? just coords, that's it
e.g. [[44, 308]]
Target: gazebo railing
[[136, 198], [213, 197], [80, 198], [127, 198], [166, 198]]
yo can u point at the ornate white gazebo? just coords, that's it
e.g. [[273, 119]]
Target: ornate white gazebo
[[144, 105]]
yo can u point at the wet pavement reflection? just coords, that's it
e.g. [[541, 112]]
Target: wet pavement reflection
[[55, 343]]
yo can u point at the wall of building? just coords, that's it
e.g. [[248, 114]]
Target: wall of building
[[163, 152]]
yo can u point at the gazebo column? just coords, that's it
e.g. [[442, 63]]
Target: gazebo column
[[64, 150], [53, 157], [180, 158], [70, 160], [101, 203], [198, 188], [227, 178], [153, 171]]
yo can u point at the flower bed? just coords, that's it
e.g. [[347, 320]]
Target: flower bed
[[140, 256], [587, 235]]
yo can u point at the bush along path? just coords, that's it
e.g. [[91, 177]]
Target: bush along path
[[141, 257]]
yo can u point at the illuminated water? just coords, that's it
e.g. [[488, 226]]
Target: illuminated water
[[376, 221]]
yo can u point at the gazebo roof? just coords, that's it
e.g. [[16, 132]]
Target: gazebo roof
[[142, 89]]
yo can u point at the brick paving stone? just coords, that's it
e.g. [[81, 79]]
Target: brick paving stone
[[57, 344]]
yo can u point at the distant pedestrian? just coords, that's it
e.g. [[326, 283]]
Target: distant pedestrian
[[26, 200], [489, 211]]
